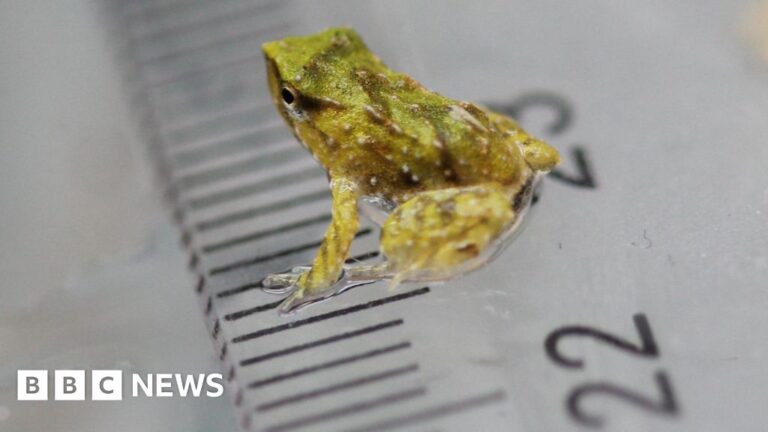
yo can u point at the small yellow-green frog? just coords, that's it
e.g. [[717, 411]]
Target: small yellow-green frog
[[454, 178]]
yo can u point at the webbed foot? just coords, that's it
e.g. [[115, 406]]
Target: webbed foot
[[301, 296], [283, 283]]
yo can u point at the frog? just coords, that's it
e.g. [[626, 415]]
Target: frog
[[448, 181]]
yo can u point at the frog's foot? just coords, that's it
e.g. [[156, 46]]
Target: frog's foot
[[283, 283], [300, 295]]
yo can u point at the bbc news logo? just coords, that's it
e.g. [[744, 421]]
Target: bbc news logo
[[107, 385]]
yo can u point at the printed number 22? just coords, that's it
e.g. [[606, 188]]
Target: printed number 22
[[647, 347]]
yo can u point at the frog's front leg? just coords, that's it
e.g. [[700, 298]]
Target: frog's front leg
[[437, 235], [329, 261]]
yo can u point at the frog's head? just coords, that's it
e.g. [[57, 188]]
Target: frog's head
[[314, 75]]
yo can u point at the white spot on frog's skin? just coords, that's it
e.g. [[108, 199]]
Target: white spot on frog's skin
[[374, 181], [447, 173], [382, 77], [388, 157], [363, 139], [404, 150], [460, 114], [395, 128], [361, 73], [297, 78], [405, 168], [346, 127], [414, 178], [462, 161], [374, 113], [332, 102]]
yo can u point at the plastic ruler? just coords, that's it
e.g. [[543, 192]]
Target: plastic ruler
[[635, 297]]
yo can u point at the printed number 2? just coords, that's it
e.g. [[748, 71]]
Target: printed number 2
[[646, 348], [562, 121], [666, 406]]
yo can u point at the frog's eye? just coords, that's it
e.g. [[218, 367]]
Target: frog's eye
[[288, 95]]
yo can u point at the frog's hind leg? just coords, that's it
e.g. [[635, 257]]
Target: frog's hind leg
[[369, 272], [438, 235], [308, 284]]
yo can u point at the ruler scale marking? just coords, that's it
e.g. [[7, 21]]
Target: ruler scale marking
[[181, 29], [356, 408], [259, 235], [268, 184], [204, 125], [235, 39], [321, 342], [432, 413], [248, 262], [262, 210], [262, 138], [329, 315], [194, 72], [335, 388], [238, 168], [342, 361]]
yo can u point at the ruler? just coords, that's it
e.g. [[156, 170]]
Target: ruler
[[630, 302]]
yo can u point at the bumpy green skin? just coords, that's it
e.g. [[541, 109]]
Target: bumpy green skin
[[380, 133]]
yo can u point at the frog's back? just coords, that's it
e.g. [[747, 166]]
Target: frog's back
[[388, 131]]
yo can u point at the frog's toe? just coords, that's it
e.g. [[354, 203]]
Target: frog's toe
[[283, 283], [300, 297]]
